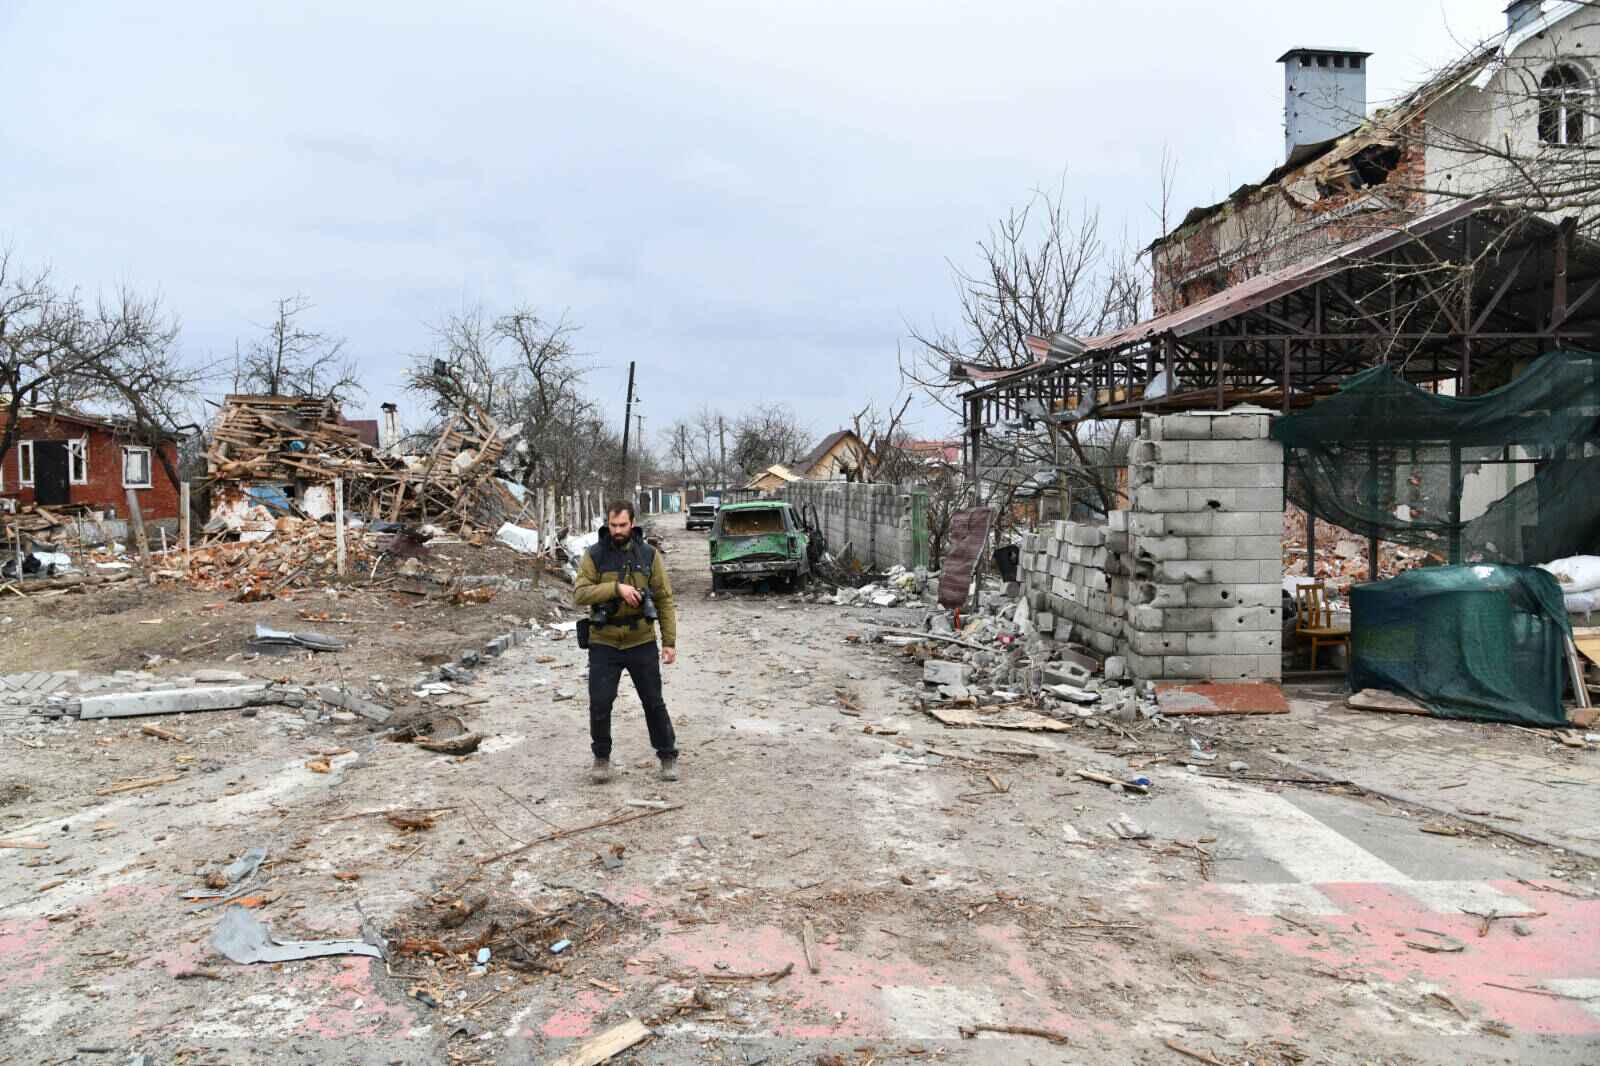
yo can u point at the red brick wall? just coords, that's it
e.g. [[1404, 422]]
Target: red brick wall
[[1211, 242], [104, 488]]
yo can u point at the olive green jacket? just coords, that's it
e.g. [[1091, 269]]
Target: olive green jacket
[[596, 587]]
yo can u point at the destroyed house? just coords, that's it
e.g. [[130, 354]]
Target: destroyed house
[[1346, 175], [66, 459], [1348, 372]]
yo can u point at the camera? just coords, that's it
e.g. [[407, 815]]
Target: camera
[[602, 614]]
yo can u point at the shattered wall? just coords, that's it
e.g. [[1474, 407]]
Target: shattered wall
[[875, 520], [1080, 573], [1188, 583]]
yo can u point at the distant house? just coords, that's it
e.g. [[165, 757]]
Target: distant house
[[839, 457], [63, 458], [932, 452], [772, 478]]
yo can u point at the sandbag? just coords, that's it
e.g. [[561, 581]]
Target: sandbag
[[1576, 573], [1582, 602]]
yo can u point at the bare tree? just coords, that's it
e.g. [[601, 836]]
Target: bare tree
[[879, 431], [768, 435], [58, 350], [290, 360], [1041, 273]]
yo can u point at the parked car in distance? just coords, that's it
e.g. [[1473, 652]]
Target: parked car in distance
[[700, 516], [760, 542]]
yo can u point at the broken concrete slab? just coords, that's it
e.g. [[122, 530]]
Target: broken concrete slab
[[945, 672], [337, 697], [177, 701], [240, 937], [1372, 699], [1072, 693], [997, 719]]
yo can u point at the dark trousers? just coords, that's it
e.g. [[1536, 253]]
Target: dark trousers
[[605, 672]]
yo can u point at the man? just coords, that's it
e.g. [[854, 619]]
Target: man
[[625, 577]]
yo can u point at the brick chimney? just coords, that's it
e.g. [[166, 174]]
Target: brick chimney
[[1324, 95]]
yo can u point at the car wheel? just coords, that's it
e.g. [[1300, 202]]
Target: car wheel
[[717, 583]]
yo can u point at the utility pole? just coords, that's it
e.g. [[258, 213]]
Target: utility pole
[[627, 424], [722, 460], [638, 477], [683, 460]]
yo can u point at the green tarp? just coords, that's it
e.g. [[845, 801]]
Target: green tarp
[[1511, 475], [1482, 642]]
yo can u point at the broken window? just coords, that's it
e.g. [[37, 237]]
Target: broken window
[[78, 461], [752, 523], [25, 462], [135, 468], [1563, 105]]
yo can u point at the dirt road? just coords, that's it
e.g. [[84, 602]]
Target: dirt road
[[951, 880]]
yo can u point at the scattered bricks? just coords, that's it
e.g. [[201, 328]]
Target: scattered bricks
[[1141, 524], [1073, 669], [1105, 643], [944, 672], [1225, 452], [1162, 549], [495, 648], [1044, 622], [337, 697]]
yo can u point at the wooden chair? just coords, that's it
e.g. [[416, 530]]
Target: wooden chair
[[1314, 619]]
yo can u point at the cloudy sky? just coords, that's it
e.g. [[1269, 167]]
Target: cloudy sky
[[752, 199]]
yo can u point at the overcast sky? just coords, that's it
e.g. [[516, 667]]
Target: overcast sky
[[750, 198]]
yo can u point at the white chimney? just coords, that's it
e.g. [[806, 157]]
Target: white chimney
[[388, 427], [1324, 95]]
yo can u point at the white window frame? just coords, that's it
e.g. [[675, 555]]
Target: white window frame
[[1565, 105], [77, 449], [149, 467], [25, 468]]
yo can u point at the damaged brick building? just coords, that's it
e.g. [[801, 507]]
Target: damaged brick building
[[1381, 241]]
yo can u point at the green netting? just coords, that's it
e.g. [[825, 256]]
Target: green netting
[[1484, 642], [1510, 476]]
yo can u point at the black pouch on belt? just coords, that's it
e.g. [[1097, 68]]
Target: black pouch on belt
[[583, 633]]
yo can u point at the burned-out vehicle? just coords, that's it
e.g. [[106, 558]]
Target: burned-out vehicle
[[700, 516], [761, 544]]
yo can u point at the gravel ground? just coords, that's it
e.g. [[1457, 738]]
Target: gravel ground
[[950, 880]]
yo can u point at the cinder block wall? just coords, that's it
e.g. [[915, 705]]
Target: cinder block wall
[[1207, 527], [1081, 573], [875, 519], [1186, 584]]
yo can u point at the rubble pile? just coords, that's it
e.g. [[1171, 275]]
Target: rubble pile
[[1342, 555], [287, 439], [272, 554]]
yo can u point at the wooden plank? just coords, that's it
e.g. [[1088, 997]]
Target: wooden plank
[[1372, 699], [611, 1042], [808, 940]]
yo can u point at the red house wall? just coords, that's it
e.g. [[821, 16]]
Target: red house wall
[[104, 489]]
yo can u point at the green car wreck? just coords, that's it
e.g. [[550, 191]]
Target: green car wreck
[[761, 543]]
